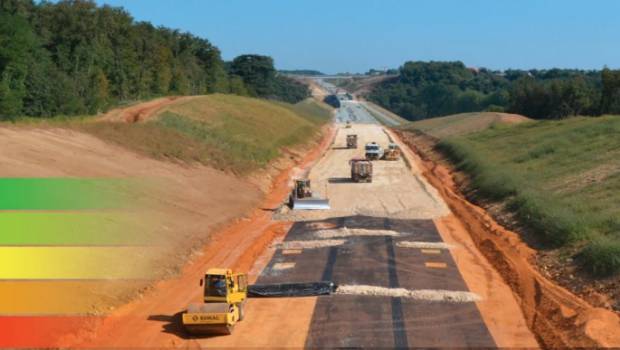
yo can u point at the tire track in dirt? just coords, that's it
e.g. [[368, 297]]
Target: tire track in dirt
[[142, 111]]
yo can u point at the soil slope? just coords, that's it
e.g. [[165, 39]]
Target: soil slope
[[177, 200], [187, 203]]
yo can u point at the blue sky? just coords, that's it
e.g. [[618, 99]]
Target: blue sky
[[355, 35]]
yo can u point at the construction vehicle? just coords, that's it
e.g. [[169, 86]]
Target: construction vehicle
[[301, 197], [393, 152], [361, 170], [348, 124], [224, 297], [352, 141], [373, 151]]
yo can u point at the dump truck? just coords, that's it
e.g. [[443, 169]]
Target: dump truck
[[352, 141], [393, 152], [373, 151], [224, 296], [361, 170], [301, 197]]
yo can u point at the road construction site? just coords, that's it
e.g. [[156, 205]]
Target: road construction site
[[396, 191], [406, 271], [398, 283]]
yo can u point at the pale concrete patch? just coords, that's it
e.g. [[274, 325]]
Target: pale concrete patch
[[424, 245], [311, 244], [291, 251], [435, 265], [349, 232], [283, 266], [419, 294]]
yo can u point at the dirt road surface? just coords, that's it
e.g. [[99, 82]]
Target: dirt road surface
[[398, 292]]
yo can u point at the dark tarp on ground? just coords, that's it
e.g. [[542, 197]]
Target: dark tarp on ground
[[291, 289]]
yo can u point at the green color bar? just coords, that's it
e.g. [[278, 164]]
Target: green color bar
[[73, 228], [62, 193]]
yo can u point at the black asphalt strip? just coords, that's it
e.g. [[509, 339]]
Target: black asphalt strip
[[366, 321]]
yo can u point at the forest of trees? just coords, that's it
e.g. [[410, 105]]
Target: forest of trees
[[430, 89], [73, 58], [261, 79]]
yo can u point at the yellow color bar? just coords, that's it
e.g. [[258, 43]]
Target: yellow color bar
[[40, 263]]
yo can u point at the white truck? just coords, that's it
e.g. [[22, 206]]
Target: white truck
[[373, 151]]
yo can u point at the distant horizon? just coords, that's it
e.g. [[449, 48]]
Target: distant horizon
[[467, 66], [356, 36]]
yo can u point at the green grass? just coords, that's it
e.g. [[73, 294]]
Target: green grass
[[463, 124], [228, 132], [313, 111], [561, 178]]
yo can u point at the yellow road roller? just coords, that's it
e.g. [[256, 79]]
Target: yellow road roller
[[224, 294]]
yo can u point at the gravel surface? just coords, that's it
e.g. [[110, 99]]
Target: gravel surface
[[395, 192]]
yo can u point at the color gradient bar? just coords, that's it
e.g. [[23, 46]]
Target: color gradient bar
[[62, 263], [68, 246], [47, 298], [40, 332], [62, 193], [73, 228]]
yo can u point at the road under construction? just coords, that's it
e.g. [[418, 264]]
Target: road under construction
[[407, 273]]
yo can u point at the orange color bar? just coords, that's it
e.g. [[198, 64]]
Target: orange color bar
[[40, 332]]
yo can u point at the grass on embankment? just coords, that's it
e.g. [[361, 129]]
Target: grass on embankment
[[464, 123], [561, 178], [227, 132]]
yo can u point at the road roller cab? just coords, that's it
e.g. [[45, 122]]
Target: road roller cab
[[224, 296], [224, 286]]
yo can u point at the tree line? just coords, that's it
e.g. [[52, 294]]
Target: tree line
[[430, 89], [74, 58]]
